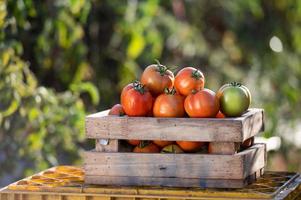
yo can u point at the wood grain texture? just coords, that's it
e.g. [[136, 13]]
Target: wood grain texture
[[237, 166], [111, 146], [254, 159], [100, 125], [171, 182], [253, 123], [223, 148]]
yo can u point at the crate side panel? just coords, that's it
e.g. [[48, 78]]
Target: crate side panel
[[173, 165], [162, 165], [150, 128], [255, 159], [253, 123]]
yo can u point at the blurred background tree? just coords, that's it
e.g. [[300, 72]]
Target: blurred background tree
[[59, 56]]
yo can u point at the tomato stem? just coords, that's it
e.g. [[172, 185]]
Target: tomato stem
[[144, 143], [196, 74], [161, 68], [194, 91], [235, 84], [139, 87], [171, 91]]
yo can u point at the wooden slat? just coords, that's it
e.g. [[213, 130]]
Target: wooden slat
[[171, 182], [110, 146], [252, 123], [187, 129], [236, 166], [255, 159], [223, 148]]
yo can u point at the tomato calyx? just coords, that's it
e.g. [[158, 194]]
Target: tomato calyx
[[139, 87], [235, 84], [143, 144], [194, 91], [170, 91], [161, 68], [196, 74]]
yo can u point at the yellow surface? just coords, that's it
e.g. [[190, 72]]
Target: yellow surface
[[66, 182]]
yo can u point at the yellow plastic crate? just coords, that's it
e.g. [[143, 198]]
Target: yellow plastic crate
[[66, 183]]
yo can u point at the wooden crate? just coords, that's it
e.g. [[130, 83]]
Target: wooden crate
[[109, 164]]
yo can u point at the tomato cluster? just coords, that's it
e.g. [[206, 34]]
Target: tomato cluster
[[161, 94]]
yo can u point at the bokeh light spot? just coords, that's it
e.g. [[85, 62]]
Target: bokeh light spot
[[276, 44]]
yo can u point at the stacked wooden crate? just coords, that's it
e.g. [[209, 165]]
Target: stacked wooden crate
[[227, 166]]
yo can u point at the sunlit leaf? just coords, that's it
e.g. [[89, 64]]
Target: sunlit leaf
[[11, 103], [89, 88], [135, 46], [76, 6]]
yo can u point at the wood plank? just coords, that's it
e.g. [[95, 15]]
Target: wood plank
[[236, 166], [171, 182], [254, 159], [186, 129], [223, 148], [106, 145], [252, 123]]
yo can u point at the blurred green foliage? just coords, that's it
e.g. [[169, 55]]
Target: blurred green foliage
[[41, 126], [59, 56]]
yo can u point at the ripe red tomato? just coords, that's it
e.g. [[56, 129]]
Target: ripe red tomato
[[136, 100], [134, 142], [169, 104], [203, 103], [220, 115], [188, 80], [146, 147], [189, 146], [162, 143], [156, 78], [117, 110], [127, 88]]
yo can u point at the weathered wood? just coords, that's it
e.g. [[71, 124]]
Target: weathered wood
[[252, 124], [255, 159], [100, 125], [237, 166], [223, 148], [107, 145], [171, 182]]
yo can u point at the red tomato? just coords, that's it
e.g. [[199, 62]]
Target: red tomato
[[189, 146], [169, 104], [127, 88], [117, 110], [203, 103], [136, 100], [156, 78], [134, 142], [162, 143], [220, 115], [188, 80], [146, 148]]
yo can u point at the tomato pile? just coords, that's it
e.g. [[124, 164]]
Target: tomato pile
[[160, 93]]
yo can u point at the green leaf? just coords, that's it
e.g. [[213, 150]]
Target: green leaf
[[87, 87], [135, 46]]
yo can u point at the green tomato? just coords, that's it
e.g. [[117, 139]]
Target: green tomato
[[234, 99]]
